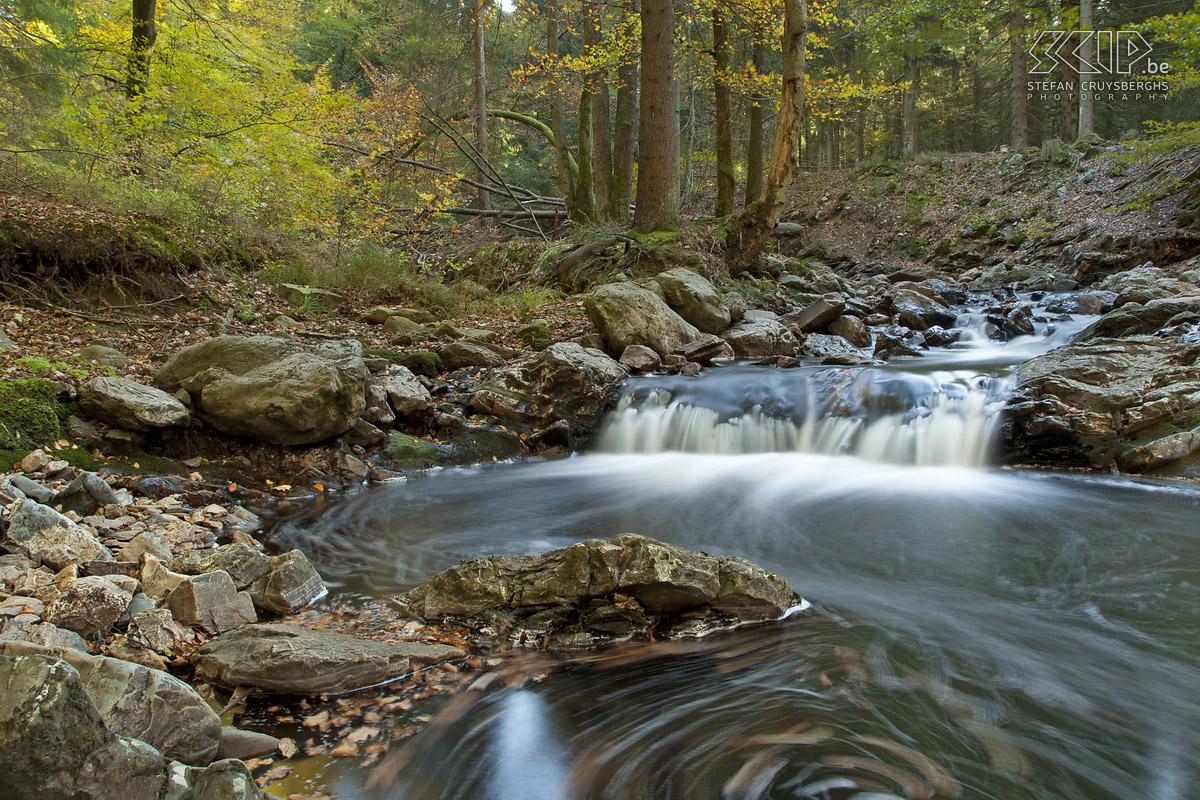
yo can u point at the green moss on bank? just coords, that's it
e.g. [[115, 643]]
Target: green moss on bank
[[30, 414]]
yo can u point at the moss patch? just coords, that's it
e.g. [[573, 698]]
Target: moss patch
[[537, 336], [30, 414], [422, 362], [409, 451]]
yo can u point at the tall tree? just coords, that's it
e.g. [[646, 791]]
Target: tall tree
[[657, 204], [601, 113], [1087, 101], [481, 114], [754, 134], [562, 158], [758, 220], [1018, 62], [144, 32], [910, 123], [726, 187], [624, 123]]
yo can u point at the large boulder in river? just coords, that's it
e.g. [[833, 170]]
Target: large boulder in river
[[141, 703], [1134, 319], [1144, 284], [918, 311], [271, 388], [1108, 402], [594, 590], [128, 404], [626, 314], [289, 660], [694, 299], [757, 337], [565, 381]]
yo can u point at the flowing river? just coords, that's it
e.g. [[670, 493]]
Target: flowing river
[[974, 632]]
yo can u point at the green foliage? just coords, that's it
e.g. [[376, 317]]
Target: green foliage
[[30, 414]]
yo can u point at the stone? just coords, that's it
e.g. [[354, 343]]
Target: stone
[[815, 316], [237, 743], [288, 660], [852, 329], [751, 593], [896, 340], [271, 388], [30, 488], [89, 606], [406, 327], [141, 703], [86, 493], [307, 298], [34, 461], [937, 336], [1085, 303], [33, 527], [128, 404], [1144, 284], [755, 337], [243, 563], [1019, 321], [158, 631], [1135, 319], [228, 779], [101, 354], [157, 580], [626, 314], [694, 298], [823, 345], [640, 358], [407, 396], [211, 602], [917, 311], [664, 577], [149, 541], [536, 335], [705, 349], [461, 355], [291, 584]]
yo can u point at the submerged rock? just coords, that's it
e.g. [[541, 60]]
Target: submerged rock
[[592, 591], [280, 658]]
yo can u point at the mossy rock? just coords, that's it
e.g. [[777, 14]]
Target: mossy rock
[[537, 336], [422, 362], [30, 414], [409, 451]]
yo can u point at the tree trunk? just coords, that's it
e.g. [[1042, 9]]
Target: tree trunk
[[585, 193], [754, 139], [481, 114], [143, 34], [566, 180], [726, 187], [1018, 59], [976, 95], [759, 219], [658, 129], [625, 123], [602, 155], [1087, 102], [1068, 114], [910, 125]]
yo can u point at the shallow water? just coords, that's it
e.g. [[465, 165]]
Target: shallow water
[[975, 633]]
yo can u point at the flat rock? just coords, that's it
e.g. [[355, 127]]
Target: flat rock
[[33, 527], [128, 404], [280, 658], [757, 337]]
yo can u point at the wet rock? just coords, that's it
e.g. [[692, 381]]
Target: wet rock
[[405, 394], [1136, 320], [815, 316], [852, 329], [757, 337], [640, 358], [128, 404], [626, 314], [896, 340], [243, 563], [822, 345], [141, 703], [237, 743], [705, 349], [89, 606], [33, 527], [279, 658], [1085, 303], [1019, 321], [918, 311], [460, 355], [1104, 402], [938, 336], [211, 602], [291, 584], [271, 388], [694, 298]]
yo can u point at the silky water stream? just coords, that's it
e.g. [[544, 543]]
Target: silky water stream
[[975, 633]]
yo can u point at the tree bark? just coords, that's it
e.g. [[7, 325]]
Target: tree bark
[[144, 32], [759, 219], [566, 180], [585, 193], [1018, 61], [657, 203], [1068, 106], [625, 123], [481, 114], [754, 138], [602, 155], [910, 124], [1087, 102], [726, 186]]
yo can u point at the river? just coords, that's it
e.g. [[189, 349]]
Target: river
[[974, 632]]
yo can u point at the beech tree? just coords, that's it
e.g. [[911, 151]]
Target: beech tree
[[657, 203]]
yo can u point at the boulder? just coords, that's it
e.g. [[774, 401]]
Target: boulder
[[896, 340], [1143, 284], [271, 388], [626, 314], [158, 631], [406, 396], [815, 316], [43, 633], [1085, 303], [1019, 321], [89, 606], [128, 404], [918, 311], [280, 658], [243, 563], [141, 703], [237, 743], [460, 355], [852, 329], [823, 345], [87, 492], [211, 602], [1133, 403], [706, 348], [291, 584], [404, 326], [640, 358], [102, 354], [33, 527], [694, 298], [307, 298], [755, 337], [1135, 319]]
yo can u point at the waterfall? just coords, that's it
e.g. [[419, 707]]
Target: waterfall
[[939, 420]]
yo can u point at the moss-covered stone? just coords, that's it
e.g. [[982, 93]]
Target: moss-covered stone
[[410, 452], [30, 414], [536, 336], [422, 362]]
